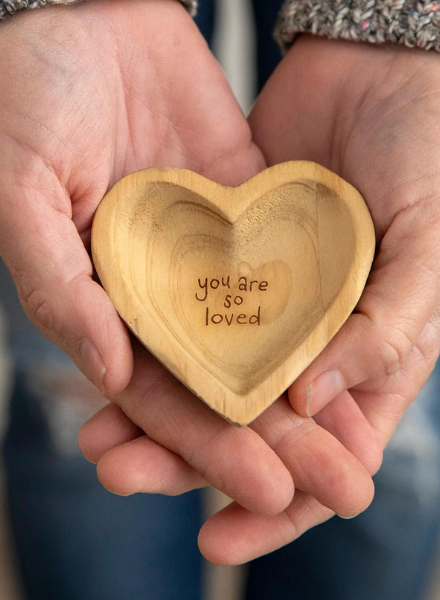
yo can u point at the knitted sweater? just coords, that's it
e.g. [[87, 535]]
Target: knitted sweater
[[409, 22], [9, 7], [415, 23]]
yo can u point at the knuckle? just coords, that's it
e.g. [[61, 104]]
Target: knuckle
[[391, 357], [41, 310], [394, 347]]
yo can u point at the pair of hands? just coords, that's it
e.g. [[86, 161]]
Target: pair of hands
[[91, 93]]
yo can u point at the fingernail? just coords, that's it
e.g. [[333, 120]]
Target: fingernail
[[93, 365], [324, 388]]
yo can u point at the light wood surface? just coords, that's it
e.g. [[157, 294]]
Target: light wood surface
[[235, 290]]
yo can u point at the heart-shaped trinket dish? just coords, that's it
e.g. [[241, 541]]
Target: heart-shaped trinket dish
[[234, 289]]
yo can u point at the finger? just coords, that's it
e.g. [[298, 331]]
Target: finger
[[383, 402], [129, 462], [53, 274], [235, 461], [110, 428], [401, 295], [318, 463], [346, 422], [235, 536], [107, 429], [142, 465]]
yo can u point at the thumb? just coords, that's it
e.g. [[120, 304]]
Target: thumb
[[41, 247], [401, 296]]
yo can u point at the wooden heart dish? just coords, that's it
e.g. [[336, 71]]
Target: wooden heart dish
[[235, 290]]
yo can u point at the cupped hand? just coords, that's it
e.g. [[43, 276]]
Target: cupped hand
[[372, 115], [89, 94]]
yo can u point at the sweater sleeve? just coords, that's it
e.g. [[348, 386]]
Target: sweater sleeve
[[415, 23], [10, 7]]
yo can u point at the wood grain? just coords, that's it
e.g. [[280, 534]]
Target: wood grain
[[235, 290]]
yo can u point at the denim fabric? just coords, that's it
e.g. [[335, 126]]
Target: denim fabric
[[75, 540]]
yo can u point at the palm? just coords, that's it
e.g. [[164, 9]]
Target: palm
[[103, 94]]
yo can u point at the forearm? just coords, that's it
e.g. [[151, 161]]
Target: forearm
[[10, 7], [409, 22]]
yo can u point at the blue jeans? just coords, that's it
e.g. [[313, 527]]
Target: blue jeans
[[75, 540]]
